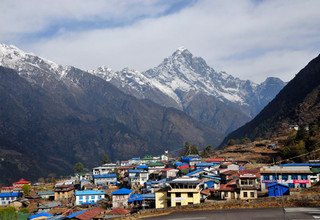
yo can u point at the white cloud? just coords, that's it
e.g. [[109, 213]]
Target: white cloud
[[247, 39]]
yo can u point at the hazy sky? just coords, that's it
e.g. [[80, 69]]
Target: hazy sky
[[251, 39]]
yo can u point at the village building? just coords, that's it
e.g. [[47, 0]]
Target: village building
[[168, 173], [7, 198], [120, 198], [104, 169], [228, 166], [229, 190], [248, 184], [46, 194], [180, 191], [123, 170], [21, 183], [63, 192], [105, 179], [138, 177], [293, 176], [88, 197]]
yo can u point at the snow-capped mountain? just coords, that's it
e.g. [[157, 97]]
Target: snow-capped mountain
[[182, 81], [181, 78], [27, 64], [135, 83]]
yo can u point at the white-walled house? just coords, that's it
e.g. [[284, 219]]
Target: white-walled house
[[88, 196], [138, 177], [8, 197], [104, 169], [105, 179]]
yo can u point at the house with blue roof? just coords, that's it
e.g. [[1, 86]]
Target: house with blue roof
[[88, 197], [120, 198], [105, 179], [207, 165], [8, 197]]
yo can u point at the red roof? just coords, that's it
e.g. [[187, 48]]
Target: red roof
[[183, 167], [206, 192], [21, 181], [212, 160], [90, 214], [229, 172], [226, 187], [119, 211], [254, 173]]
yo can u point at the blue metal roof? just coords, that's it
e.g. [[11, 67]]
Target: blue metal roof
[[142, 166], [135, 197], [301, 164], [107, 175], [194, 172], [137, 171], [10, 194], [123, 191], [42, 214], [89, 192], [206, 164], [212, 177], [76, 213]]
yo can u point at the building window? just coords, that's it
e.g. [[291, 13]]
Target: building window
[[190, 203], [92, 197], [291, 185], [245, 194], [285, 177], [178, 194], [178, 203], [80, 197], [304, 177], [275, 177], [294, 177], [266, 177], [303, 185], [190, 195], [252, 194]]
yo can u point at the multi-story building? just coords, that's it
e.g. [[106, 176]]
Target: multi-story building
[[248, 184], [88, 196], [179, 192], [63, 192], [138, 177], [7, 198], [105, 179], [293, 176], [120, 198], [104, 169]]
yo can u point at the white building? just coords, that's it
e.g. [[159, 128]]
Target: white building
[[105, 179], [7, 198], [88, 196], [138, 177], [104, 169]]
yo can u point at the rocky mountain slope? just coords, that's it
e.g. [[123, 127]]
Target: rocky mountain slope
[[298, 103], [53, 116], [184, 81]]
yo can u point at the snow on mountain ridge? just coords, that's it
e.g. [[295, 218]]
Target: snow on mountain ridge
[[13, 57]]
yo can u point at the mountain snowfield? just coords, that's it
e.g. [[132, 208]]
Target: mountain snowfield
[[181, 77], [182, 81]]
